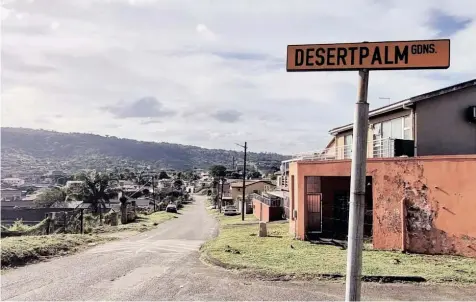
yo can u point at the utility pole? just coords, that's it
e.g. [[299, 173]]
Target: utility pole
[[244, 184], [233, 163], [221, 198], [357, 190], [153, 190]]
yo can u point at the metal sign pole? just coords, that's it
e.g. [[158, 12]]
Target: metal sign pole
[[357, 189]]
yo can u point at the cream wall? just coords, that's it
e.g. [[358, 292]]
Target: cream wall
[[237, 192]]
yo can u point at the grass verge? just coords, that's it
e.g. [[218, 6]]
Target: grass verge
[[232, 220], [17, 251], [141, 224], [279, 255]]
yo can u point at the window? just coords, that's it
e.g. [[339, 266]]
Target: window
[[407, 127], [313, 184], [348, 146], [399, 128]]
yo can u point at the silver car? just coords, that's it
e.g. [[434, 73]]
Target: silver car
[[230, 210]]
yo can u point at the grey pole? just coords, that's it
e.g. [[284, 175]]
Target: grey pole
[[357, 190], [244, 186]]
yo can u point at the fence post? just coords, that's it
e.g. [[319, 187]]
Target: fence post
[[47, 216], [51, 223], [65, 222], [82, 221]]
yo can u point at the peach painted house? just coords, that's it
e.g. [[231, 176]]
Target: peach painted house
[[421, 177]]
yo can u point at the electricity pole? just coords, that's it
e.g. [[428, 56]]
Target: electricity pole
[[221, 198], [153, 191], [244, 184]]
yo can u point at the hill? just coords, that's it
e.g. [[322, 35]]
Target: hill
[[33, 149]]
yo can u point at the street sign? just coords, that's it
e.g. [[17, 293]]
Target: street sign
[[422, 54]]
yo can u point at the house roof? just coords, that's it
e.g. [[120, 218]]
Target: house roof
[[279, 194], [238, 184], [408, 102]]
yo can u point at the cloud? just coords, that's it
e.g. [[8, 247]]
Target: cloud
[[204, 31], [227, 116], [54, 25], [447, 25], [201, 58], [143, 107]]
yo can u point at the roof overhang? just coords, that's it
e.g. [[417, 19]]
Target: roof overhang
[[407, 103]]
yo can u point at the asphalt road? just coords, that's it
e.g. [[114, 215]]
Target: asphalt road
[[163, 264]]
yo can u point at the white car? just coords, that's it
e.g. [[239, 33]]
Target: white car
[[172, 208], [230, 210]]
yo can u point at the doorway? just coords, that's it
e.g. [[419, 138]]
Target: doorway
[[313, 199]]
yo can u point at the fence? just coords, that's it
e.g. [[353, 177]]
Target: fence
[[375, 148], [71, 222]]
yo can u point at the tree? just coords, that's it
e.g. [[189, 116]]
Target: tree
[[178, 183], [96, 191], [50, 196], [254, 174], [163, 175], [218, 171]]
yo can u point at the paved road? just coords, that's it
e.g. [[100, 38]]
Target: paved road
[[163, 264]]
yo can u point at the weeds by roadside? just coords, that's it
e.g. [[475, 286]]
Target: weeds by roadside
[[17, 251], [20, 229], [30, 247], [141, 224]]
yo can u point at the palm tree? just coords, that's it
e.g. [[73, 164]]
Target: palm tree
[[218, 172], [96, 191]]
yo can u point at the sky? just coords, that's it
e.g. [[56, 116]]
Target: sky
[[211, 73]]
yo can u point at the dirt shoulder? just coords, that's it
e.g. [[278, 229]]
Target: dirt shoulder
[[280, 257]]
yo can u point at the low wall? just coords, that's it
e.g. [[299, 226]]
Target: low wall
[[422, 204], [265, 213]]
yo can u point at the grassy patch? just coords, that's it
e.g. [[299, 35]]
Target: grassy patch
[[141, 224], [280, 254], [21, 250], [231, 220]]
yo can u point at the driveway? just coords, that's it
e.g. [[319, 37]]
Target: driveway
[[163, 264]]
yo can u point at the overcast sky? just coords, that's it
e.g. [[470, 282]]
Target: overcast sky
[[212, 72]]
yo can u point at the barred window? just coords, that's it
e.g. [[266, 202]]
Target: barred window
[[313, 184]]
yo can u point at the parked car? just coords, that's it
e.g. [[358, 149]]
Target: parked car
[[230, 210], [172, 208]]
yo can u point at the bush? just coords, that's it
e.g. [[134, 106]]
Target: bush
[[20, 229]]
